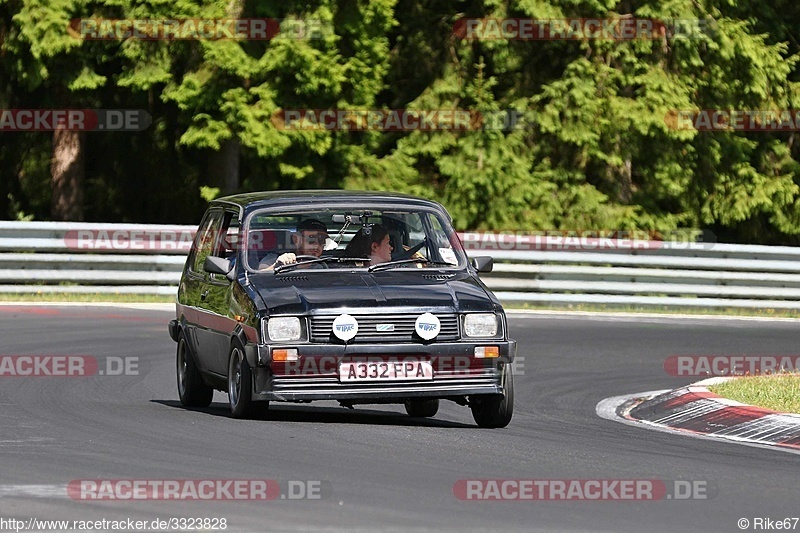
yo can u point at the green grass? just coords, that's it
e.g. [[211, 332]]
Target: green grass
[[72, 297], [779, 392], [595, 308]]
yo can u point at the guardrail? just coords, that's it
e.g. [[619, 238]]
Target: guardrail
[[42, 257], [67, 257]]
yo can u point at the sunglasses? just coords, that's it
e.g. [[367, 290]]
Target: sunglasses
[[316, 239]]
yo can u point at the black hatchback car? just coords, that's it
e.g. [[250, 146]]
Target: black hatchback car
[[357, 297]]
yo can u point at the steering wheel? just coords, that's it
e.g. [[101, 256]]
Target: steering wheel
[[406, 254], [310, 258]]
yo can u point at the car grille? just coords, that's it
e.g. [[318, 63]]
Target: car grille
[[322, 328], [328, 387]]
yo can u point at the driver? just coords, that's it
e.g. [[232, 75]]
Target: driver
[[308, 240]]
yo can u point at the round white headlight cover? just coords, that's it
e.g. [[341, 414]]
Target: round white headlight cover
[[427, 326], [345, 327]]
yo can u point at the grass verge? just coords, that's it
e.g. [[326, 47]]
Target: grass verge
[[780, 392]]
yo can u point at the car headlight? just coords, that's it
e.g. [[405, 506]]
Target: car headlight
[[480, 325], [284, 328]]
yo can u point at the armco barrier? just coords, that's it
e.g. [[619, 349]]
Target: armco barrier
[[58, 257], [41, 257]]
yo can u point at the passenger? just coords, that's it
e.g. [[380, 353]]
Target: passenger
[[376, 245], [309, 239]]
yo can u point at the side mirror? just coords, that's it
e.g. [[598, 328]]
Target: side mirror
[[217, 265], [483, 263]]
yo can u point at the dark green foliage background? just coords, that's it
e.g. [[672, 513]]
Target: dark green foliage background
[[597, 153]]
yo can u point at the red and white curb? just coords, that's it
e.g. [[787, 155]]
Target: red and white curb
[[696, 411]]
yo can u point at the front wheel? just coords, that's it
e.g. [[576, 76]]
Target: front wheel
[[422, 408], [240, 383], [192, 390], [495, 411]]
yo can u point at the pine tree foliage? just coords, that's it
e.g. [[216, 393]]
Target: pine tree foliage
[[593, 143]]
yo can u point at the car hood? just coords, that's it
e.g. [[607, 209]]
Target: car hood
[[316, 292]]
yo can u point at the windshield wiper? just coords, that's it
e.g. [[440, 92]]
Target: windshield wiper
[[392, 264], [289, 266]]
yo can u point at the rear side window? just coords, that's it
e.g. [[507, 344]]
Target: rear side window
[[204, 240], [228, 243]]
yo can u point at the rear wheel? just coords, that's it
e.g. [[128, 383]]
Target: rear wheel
[[422, 408], [240, 383], [192, 391], [495, 411]]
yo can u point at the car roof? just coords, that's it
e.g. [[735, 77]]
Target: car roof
[[255, 200]]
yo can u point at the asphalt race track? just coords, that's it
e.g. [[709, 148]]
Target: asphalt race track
[[385, 470]]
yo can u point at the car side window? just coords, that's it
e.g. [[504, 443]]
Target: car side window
[[228, 243], [204, 241], [440, 242]]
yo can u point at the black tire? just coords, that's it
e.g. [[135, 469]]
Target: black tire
[[240, 383], [495, 411], [422, 408], [192, 390]]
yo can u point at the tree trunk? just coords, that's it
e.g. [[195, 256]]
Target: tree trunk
[[224, 163], [66, 174], [224, 167]]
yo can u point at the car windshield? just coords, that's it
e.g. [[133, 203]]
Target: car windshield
[[335, 238]]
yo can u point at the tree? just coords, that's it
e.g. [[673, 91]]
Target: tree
[[65, 67]]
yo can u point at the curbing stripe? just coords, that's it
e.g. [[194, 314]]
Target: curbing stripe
[[695, 409], [770, 428], [792, 443]]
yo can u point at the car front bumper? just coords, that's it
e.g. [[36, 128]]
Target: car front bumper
[[316, 375]]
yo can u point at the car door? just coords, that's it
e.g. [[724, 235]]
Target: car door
[[215, 298], [198, 321]]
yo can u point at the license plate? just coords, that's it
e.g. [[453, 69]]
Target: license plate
[[385, 371]]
